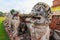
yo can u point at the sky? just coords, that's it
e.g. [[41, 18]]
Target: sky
[[24, 6]]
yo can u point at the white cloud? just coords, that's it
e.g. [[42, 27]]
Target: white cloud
[[22, 5]]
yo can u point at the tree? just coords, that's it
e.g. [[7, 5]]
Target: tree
[[12, 11], [1, 13]]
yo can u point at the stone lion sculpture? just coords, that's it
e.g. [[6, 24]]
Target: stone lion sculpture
[[39, 26]]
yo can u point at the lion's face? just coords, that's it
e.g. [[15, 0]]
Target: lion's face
[[41, 16], [41, 11]]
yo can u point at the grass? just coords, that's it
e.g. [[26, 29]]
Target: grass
[[3, 34]]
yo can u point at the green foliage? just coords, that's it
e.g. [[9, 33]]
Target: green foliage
[[12, 11], [1, 13]]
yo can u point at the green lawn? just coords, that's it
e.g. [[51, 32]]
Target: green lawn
[[3, 34]]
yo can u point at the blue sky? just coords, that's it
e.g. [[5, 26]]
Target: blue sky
[[20, 5]]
